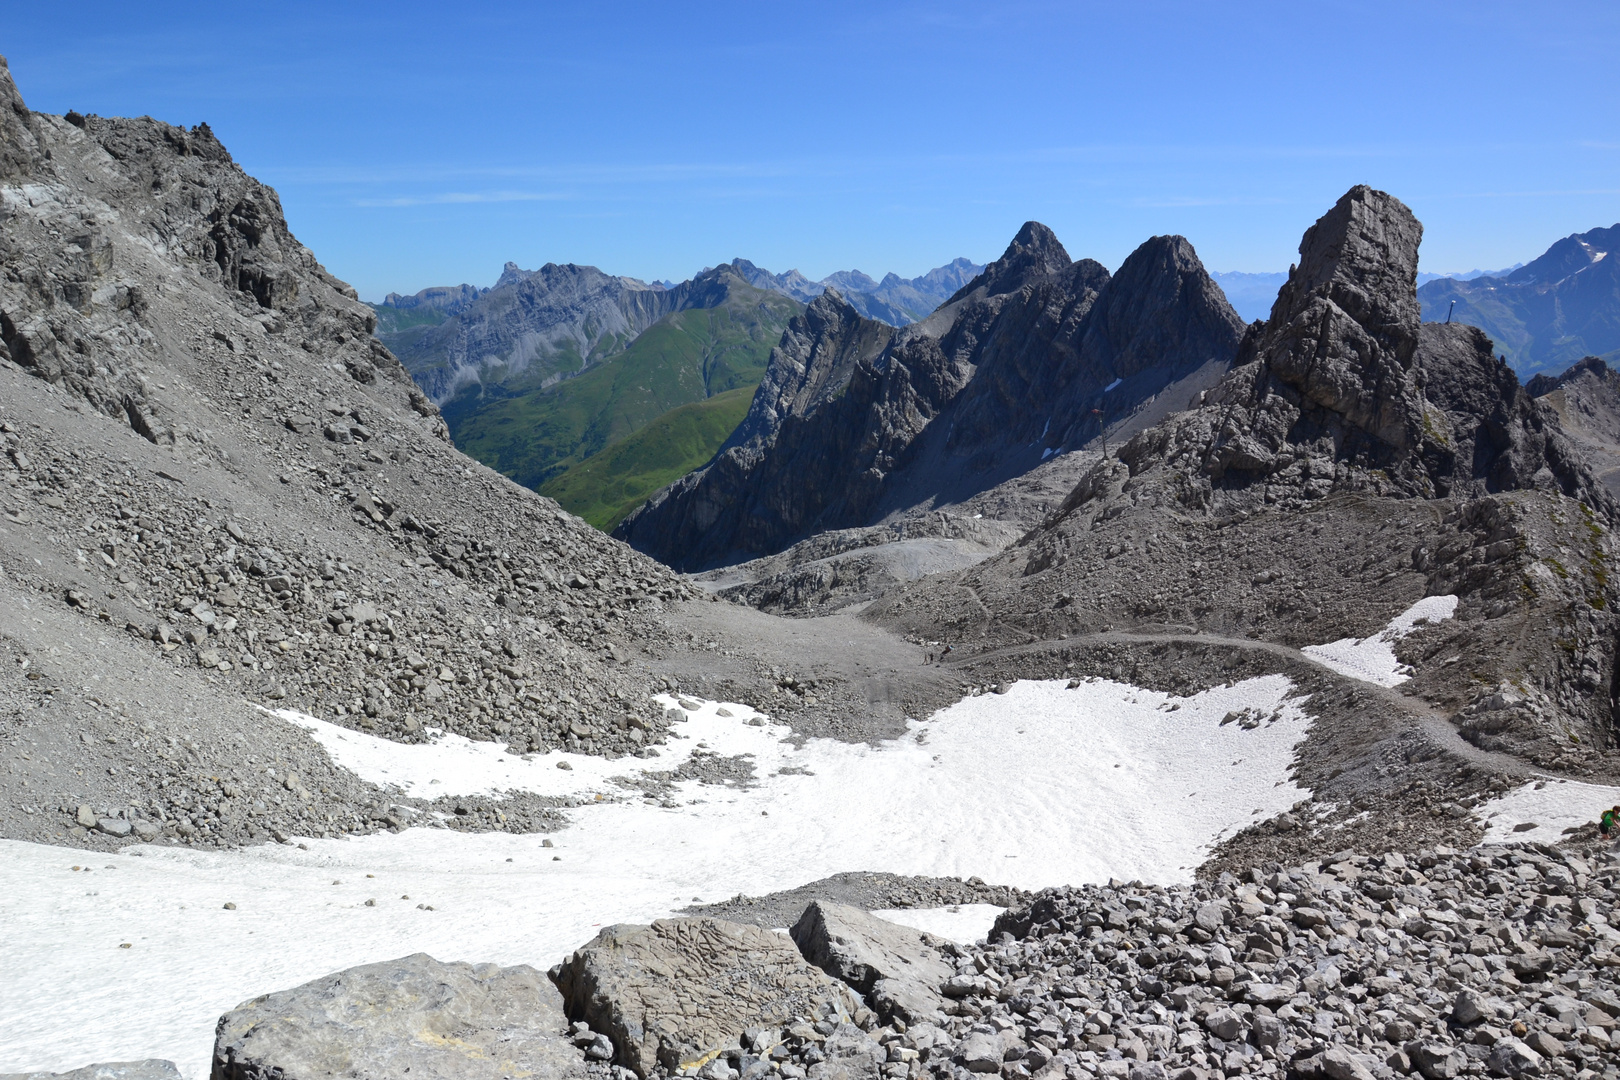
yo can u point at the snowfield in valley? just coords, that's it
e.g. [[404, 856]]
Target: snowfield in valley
[[1039, 786]]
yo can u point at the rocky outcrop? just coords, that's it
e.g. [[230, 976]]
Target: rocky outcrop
[[1353, 461], [1022, 362], [1344, 387], [1587, 401], [412, 1017], [683, 992], [19, 133], [898, 970], [811, 366]]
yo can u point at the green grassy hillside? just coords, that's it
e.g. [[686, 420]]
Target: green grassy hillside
[[691, 356], [401, 330], [606, 486]]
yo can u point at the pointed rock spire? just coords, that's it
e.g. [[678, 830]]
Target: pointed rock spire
[[1034, 252], [1344, 329]]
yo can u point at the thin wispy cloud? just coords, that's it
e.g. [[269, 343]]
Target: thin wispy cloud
[[1180, 202], [449, 198], [1529, 194]]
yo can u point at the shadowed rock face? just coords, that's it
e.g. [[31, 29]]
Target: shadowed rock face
[[855, 422], [1587, 401], [812, 364], [19, 135], [1343, 332]]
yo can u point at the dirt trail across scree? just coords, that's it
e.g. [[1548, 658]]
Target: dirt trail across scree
[[1429, 720]]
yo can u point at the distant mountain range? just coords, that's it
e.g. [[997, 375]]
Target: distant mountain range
[[547, 368], [895, 300], [1547, 314], [1251, 295], [599, 390]]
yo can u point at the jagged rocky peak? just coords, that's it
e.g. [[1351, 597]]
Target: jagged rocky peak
[[511, 274], [1344, 330], [1162, 309], [855, 421], [1034, 252], [1345, 389], [813, 361]]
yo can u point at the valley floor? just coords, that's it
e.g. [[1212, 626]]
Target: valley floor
[[137, 954], [1110, 780]]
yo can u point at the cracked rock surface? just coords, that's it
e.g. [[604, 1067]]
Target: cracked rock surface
[[413, 1016]]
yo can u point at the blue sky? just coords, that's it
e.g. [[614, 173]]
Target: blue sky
[[417, 144]]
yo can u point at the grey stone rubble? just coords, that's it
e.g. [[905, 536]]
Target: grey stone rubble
[[1498, 961]]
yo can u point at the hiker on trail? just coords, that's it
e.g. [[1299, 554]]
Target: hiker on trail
[[946, 651], [1609, 823]]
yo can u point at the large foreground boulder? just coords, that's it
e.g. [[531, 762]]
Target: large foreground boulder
[[682, 992], [414, 1017], [897, 969], [149, 1069]]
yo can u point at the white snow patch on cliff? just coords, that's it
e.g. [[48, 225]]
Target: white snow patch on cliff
[[1372, 659]]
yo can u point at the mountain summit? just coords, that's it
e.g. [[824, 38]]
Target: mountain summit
[[855, 421]]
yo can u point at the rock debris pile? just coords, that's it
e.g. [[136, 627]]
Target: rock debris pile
[[217, 488], [1497, 961]]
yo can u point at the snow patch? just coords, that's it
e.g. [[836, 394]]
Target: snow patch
[[1372, 659], [961, 923], [449, 764], [1039, 786], [1110, 387], [1550, 805]]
